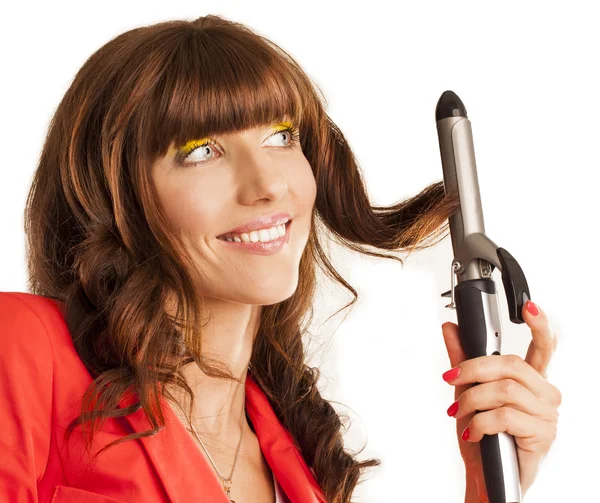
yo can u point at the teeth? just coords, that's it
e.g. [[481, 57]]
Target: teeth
[[262, 235]]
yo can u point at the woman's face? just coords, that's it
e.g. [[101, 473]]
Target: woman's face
[[226, 183]]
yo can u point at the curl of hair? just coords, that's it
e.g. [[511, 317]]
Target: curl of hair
[[98, 239]]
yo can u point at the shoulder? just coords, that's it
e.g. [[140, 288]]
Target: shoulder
[[31, 327], [36, 346], [38, 356], [26, 311], [24, 320], [27, 380]]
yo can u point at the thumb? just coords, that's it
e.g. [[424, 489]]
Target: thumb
[[453, 346]]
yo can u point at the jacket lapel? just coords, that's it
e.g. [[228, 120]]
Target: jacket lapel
[[187, 475], [279, 449]]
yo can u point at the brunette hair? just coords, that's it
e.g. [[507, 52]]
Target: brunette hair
[[98, 239]]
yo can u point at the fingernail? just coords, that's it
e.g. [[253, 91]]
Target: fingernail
[[532, 308], [453, 409], [465, 434], [451, 374]]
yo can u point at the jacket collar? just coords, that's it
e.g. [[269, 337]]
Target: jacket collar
[[187, 475]]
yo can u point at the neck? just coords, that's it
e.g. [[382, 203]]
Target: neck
[[221, 424]]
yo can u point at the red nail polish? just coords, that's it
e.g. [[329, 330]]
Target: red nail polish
[[465, 434], [451, 374], [532, 308], [453, 409]]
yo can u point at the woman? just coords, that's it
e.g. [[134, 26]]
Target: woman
[[172, 252]]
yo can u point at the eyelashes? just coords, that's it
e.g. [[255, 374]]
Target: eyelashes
[[190, 147]]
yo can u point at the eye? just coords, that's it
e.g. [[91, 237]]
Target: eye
[[194, 150], [195, 153], [289, 133]]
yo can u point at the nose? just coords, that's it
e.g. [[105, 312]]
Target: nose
[[259, 175]]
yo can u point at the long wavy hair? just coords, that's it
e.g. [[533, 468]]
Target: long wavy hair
[[98, 239]]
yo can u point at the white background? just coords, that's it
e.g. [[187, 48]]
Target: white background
[[528, 75]]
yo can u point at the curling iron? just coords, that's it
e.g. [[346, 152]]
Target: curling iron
[[474, 295]]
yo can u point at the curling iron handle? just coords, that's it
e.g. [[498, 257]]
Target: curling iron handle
[[480, 335]]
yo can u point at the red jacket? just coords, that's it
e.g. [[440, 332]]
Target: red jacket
[[41, 381]]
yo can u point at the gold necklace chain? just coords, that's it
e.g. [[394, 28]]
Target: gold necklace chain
[[226, 480]]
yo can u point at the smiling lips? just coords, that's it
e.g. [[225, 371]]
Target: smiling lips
[[262, 242], [265, 222], [261, 235]]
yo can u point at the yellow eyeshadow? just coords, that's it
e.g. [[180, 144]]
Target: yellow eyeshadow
[[284, 125], [186, 148], [190, 145]]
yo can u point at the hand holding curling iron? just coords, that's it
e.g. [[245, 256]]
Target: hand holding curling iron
[[514, 396]]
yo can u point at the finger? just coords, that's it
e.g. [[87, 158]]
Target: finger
[[544, 341], [496, 367], [532, 429], [492, 395], [456, 353]]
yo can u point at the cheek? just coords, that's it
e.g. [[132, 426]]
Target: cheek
[[307, 186], [190, 209]]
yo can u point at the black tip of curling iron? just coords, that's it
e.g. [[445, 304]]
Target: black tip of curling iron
[[449, 105]]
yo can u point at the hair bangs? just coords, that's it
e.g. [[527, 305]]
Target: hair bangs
[[219, 87]]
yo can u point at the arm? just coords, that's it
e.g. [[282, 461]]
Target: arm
[[25, 398]]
